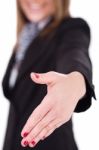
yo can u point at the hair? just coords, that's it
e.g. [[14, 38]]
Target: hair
[[62, 10]]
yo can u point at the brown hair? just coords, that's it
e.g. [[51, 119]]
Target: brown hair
[[62, 10]]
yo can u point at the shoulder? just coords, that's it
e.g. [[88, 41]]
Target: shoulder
[[72, 24]]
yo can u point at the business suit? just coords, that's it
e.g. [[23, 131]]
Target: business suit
[[64, 50]]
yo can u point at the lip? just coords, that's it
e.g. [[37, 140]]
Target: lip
[[34, 7]]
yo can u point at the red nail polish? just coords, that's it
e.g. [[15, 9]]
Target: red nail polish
[[33, 142], [25, 143], [25, 134], [36, 75]]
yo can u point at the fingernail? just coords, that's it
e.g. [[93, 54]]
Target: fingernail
[[25, 143], [36, 75], [25, 134], [33, 142]]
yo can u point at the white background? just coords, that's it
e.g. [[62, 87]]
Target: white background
[[85, 124]]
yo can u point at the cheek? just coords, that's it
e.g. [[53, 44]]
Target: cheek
[[49, 9], [24, 5], [21, 3]]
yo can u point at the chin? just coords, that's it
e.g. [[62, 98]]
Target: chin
[[35, 18]]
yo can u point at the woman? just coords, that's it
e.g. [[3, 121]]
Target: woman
[[52, 46]]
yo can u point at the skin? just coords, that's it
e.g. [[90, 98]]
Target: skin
[[36, 10], [63, 90]]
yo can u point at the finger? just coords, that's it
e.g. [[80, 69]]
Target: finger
[[40, 126], [48, 133], [31, 144], [49, 129], [44, 132], [36, 116], [44, 78]]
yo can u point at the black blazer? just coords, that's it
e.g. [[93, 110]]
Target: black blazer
[[64, 50]]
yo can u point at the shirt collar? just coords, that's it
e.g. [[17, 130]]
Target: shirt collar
[[41, 24]]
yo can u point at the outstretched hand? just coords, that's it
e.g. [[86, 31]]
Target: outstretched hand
[[63, 93]]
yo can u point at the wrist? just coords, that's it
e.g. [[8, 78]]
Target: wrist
[[79, 81]]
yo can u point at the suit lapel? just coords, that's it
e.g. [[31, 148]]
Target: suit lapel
[[33, 54]]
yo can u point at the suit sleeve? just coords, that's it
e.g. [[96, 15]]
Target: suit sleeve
[[73, 55]]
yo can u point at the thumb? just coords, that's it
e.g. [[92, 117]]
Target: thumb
[[44, 78]]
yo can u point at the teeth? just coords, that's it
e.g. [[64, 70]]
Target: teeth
[[35, 6]]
